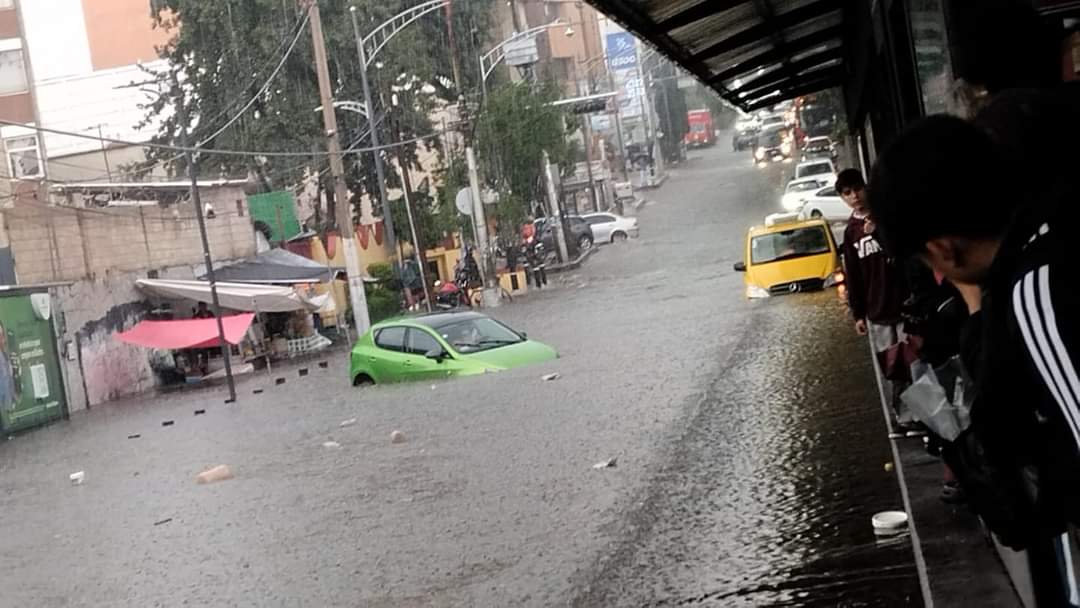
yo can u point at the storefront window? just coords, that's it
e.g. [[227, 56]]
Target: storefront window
[[932, 59]]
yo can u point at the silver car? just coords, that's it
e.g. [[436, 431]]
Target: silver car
[[609, 228]]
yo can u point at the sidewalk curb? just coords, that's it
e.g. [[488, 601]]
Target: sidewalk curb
[[573, 264]]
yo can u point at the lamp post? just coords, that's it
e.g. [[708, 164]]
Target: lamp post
[[497, 53]]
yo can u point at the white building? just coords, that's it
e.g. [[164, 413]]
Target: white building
[[84, 58]]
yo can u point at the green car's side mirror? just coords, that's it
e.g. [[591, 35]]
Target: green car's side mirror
[[524, 336], [739, 266], [437, 354]]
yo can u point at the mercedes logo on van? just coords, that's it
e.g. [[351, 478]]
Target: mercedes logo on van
[[793, 288]]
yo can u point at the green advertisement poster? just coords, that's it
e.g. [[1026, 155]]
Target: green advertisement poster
[[31, 391]]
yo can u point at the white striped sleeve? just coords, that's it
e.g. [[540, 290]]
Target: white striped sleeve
[[1034, 311]]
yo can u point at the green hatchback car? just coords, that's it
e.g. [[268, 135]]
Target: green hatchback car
[[441, 345]]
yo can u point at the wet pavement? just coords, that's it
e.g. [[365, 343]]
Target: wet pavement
[[749, 444]]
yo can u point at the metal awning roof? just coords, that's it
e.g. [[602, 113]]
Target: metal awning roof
[[754, 53]]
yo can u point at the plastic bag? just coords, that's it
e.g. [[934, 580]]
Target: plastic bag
[[938, 399]]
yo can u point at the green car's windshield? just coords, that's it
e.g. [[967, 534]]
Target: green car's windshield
[[788, 244], [474, 335]]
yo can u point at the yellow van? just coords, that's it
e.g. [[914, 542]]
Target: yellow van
[[790, 255]]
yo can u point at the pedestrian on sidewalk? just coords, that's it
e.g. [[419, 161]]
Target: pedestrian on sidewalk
[[992, 207], [875, 282]]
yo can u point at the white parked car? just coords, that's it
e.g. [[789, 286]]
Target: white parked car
[[826, 204], [798, 190], [821, 167], [609, 228]]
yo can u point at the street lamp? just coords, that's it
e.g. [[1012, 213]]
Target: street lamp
[[493, 57]]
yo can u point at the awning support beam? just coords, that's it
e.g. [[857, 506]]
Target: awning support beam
[[763, 30]]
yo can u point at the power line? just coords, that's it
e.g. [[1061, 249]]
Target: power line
[[196, 149]]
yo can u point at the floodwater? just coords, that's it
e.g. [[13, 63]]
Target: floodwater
[[749, 441]]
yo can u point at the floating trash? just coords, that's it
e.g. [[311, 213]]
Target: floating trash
[[887, 523]]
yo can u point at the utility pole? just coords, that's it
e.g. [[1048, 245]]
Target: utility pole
[[490, 295], [380, 171], [343, 212], [618, 125], [196, 200], [555, 209]]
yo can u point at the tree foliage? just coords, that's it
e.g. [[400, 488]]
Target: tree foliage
[[516, 126], [224, 51]]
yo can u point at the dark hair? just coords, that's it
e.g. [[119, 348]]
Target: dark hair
[[942, 176], [849, 178]]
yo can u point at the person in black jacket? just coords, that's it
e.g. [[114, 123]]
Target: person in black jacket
[[991, 205]]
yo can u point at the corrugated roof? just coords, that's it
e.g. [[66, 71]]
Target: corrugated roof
[[754, 53]]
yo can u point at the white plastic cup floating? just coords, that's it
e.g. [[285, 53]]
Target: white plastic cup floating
[[77, 477], [889, 522]]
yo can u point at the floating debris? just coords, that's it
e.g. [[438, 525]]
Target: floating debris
[[331, 445], [610, 463], [219, 473], [168, 422], [163, 521], [397, 437], [135, 436], [200, 412], [550, 377], [349, 422], [77, 477]]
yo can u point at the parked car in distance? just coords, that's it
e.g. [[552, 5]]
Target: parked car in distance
[[798, 190], [609, 228], [744, 138], [816, 168], [440, 345], [825, 204], [819, 147], [788, 255], [580, 232]]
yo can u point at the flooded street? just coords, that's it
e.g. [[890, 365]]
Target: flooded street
[[749, 441]]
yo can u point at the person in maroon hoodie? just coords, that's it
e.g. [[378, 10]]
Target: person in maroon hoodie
[[876, 288]]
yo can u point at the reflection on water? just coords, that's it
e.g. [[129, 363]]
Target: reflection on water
[[768, 498]]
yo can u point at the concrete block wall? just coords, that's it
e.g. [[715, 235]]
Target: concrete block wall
[[101, 253]]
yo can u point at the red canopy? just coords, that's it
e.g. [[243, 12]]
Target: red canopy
[[187, 333]]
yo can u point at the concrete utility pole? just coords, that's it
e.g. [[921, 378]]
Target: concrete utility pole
[[553, 204], [380, 170], [490, 294], [196, 200], [343, 212]]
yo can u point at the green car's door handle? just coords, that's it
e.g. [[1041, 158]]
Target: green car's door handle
[[407, 363]]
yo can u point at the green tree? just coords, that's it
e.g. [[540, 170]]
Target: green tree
[[516, 126], [225, 51]]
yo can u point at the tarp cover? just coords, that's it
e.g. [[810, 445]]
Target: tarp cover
[[235, 296], [275, 266], [187, 333]]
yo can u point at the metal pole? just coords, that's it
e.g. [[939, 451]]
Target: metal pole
[[380, 171], [487, 264], [343, 212], [553, 203], [483, 79], [415, 240], [193, 174], [618, 126], [104, 153]]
